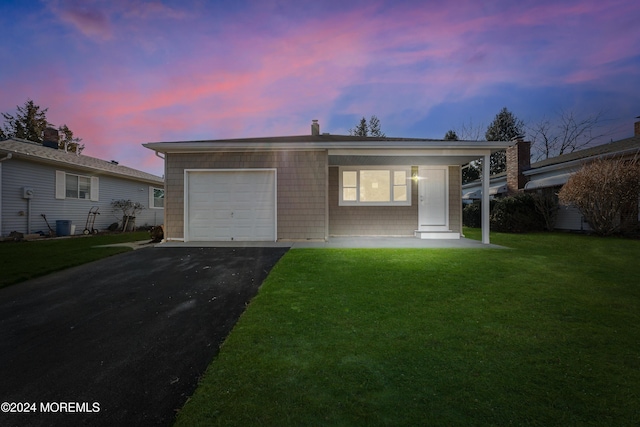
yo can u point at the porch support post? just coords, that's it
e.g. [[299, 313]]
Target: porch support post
[[485, 198]]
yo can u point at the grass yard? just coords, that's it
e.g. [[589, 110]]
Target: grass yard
[[545, 334], [20, 261]]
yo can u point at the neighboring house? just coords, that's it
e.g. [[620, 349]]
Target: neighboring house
[[40, 179], [313, 187], [551, 173]]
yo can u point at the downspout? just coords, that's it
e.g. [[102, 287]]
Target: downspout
[[28, 216], [7, 157]]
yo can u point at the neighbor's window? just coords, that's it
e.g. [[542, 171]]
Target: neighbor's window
[[158, 197], [77, 187], [375, 186]]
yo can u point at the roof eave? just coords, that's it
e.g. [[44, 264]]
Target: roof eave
[[18, 155], [577, 163], [227, 146]]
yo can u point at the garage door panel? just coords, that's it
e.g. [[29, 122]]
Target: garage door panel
[[231, 205]]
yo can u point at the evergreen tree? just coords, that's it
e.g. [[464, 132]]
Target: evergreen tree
[[68, 142], [374, 127], [362, 129], [451, 135], [29, 123], [505, 127], [368, 129]]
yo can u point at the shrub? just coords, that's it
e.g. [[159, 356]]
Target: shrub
[[472, 215], [606, 192], [517, 214], [546, 202], [129, 210]]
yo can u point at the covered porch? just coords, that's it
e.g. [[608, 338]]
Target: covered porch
[[432, 207]]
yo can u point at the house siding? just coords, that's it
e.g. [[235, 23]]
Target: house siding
[[17, 174], [301, 188], [387, 220]]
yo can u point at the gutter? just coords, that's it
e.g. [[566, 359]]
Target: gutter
[[230, 145], [577, 163]]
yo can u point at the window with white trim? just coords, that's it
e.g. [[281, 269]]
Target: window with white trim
[[73, 186], [375, 186], [156, 197]]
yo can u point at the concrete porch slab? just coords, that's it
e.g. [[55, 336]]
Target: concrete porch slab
[[347, 242]]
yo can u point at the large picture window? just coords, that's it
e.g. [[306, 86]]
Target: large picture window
[[383, 186]]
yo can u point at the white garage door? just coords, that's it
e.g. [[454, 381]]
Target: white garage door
[[227, 205]]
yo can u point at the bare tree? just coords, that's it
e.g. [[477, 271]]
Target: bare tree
[[471, 132], [566, 134]]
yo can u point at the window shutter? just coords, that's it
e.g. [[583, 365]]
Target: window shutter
[[95, 190], [60, 185], [151, 193]]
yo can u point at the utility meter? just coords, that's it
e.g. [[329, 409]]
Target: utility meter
[[27, 193]]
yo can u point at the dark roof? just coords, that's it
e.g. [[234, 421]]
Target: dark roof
[[624, 145], [31, 150], [326, 137]]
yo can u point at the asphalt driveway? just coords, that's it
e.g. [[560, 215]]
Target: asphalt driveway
[[121, 341]]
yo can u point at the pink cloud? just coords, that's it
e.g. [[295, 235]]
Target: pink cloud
[[255, 74], [90, 21]]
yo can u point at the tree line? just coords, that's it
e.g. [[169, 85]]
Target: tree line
[[564, 134], [29, 123]]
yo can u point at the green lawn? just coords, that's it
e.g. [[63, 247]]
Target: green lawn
[[20, 261], [545, 334]]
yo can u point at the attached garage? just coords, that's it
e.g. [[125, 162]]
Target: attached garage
[[293, 188], [230, 205]]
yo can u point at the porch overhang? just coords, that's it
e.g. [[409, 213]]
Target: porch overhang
[[408, 156]]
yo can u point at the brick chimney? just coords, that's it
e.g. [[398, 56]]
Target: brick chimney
[[315, 128], [636, 127], [51, 138], [518, 161]]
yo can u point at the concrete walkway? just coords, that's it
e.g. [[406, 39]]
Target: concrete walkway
[[346, 242]]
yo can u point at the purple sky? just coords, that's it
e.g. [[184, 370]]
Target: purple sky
[[120, 73]]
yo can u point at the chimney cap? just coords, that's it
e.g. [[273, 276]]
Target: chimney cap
[[315, 127]]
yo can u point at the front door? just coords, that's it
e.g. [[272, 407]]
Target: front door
[[433, 198]]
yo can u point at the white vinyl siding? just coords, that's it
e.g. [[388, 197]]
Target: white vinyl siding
[[48, 184]]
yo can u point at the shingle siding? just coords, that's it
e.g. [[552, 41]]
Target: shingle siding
[[307, 209], [387, 220], [370, 220], [301, 189]]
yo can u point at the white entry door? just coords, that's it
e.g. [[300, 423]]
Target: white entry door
[[230, 205], [433, 198]]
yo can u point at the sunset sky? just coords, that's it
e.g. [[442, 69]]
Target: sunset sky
[[121, 73]]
